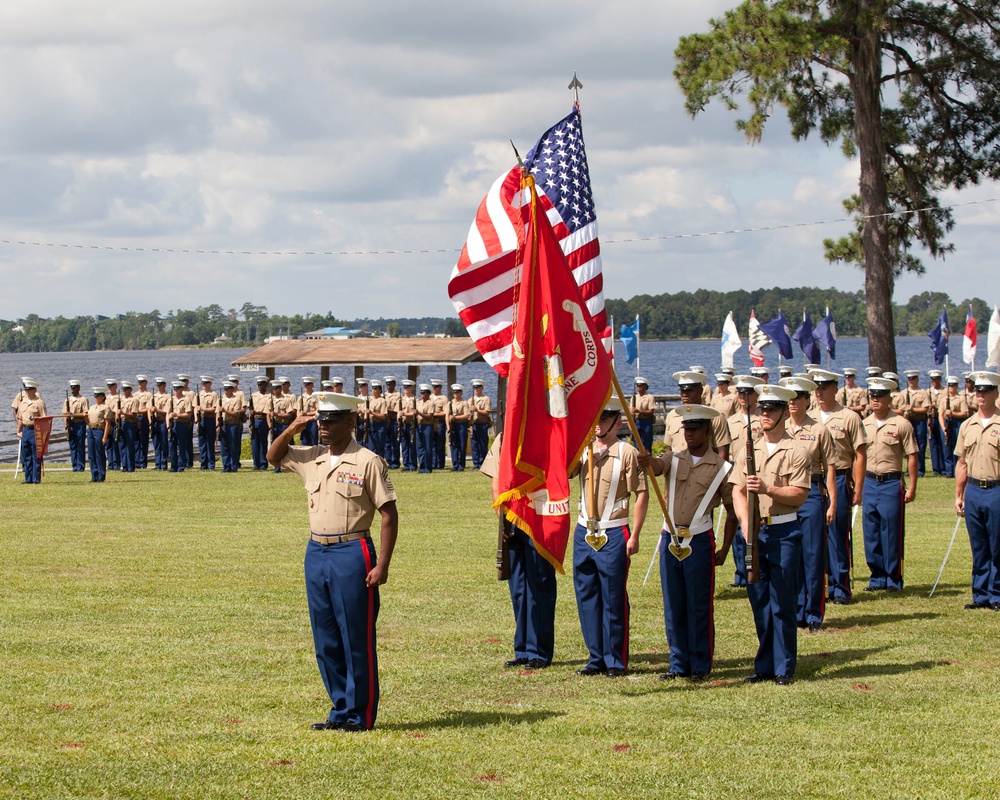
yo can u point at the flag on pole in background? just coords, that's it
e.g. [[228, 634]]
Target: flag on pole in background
[[482, 284], [629, 336], [806, 340], [939, 338], [993, 340], [731, 342], [779, 332], [825, 333], [969, 340], [757, 340], [559, 381]]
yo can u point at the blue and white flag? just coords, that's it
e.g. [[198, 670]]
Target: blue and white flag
[[939, 338], [806, 339], [825, 333], [779, 332], [730, 341], [630, 338]]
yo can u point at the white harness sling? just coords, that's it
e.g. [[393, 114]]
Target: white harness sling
[[701, 521]]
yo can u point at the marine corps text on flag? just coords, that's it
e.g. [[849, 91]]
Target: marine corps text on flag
[[559, 381], [482, 284]]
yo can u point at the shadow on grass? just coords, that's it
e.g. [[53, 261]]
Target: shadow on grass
[[869, 620], [840, 664], [474, 719]]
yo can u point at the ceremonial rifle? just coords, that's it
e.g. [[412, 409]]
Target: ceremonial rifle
[[752, 557]]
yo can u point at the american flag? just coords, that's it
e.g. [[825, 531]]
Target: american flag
[[482, 284]]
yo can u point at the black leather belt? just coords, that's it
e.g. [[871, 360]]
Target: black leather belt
[[817, 478], [884, 476], [984, 484], [844, 471]]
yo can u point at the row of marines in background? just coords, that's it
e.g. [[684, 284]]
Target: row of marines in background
[[853, 450], [117, 428]]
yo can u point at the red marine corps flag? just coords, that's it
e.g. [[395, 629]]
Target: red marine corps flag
[[43, 430], [559, 381]]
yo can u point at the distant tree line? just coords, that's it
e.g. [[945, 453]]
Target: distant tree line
[[700, 314], [685, 315]]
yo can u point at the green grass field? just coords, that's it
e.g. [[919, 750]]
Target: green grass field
[[155, 643]]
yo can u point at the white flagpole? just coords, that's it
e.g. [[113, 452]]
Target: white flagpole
[[638, 369]]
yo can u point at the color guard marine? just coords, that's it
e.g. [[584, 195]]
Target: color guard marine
[[891, 448], [746, 396], [604, 543], [347, 489], [532, 585], [696, 485], [781, 485], [977, 490], [691, 385]]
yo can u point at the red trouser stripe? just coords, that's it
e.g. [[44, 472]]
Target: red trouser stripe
[[625, 533], [371, 626]]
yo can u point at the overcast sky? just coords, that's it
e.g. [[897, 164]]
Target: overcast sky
[[311, 126]]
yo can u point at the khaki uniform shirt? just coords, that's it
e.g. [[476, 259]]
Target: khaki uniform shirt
[[914, 400], [847, 433], [161, 403], [706, 394], [260, 403], [738, 431], [27, 410], [208, 403], [145, 399], [308, 403], [97, 416], [364, 406], [643, 404], [692, 483], [232, 409], [440, 406], [850, 397], [345, 497], [406, 406], [673, 433], [979, 445], [970, 400], [889, 444], [393, 401], [725, 404], [935, 396], [283, 407], [631, 479], [425, 412], [459, 408], [129, 408], [954, 403], [22, 395], [491, 464], [788, 465], [182, 408], [482, 410], [816, 439], [378, 405], [76, 406], [113, 402]]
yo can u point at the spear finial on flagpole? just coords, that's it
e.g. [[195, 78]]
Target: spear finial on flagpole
[[576, 86]]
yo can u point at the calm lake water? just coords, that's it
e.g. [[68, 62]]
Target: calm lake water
[[657, 360]]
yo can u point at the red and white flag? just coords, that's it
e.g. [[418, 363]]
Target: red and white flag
[[482, 284], [756, 339], [559, 381], [969, 340]]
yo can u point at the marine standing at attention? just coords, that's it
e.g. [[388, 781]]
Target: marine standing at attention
[[230, 437], [145, 398], [207, 419], [30, 407], [482, 419], [260, 427], [644, 411], [696, 485], [345, 486], [746, 396], [98, 434], [75, 409], [308, 403], [441, 422], [603, 544], [179, 422], [393, 399], [977, 490], [128, 427], [458, 418], [891, 446], [162, 402], [781, 485]]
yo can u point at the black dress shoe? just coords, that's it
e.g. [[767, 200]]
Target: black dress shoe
[[516, 662], [784, 680], [841, 601], [995, 606], [615, 672], [737, 586], [873, 589], [803, 625], [672, 676], [349, 727], [537, 663], [758, 677], [325, 726], [815, 626], [698, 677], [589, 671], [976, 604]]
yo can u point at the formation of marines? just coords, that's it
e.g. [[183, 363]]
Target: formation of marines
[[116, 426], [820, 449]]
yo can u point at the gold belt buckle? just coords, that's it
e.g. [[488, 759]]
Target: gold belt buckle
[[683, 532], [595, 537]]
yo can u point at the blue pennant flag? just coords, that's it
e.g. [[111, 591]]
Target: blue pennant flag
[[939, 338], [825, 333], [778, 332], [629, 337], [806, 340]]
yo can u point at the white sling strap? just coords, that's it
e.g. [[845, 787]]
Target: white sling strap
[[699, 522]]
